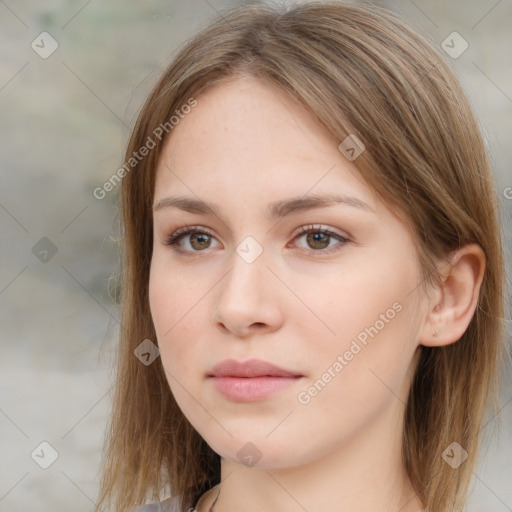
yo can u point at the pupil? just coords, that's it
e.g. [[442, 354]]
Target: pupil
[[201, 239], [316, 241]]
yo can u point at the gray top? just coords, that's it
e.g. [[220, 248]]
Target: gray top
[[174, 503], [169, 505]]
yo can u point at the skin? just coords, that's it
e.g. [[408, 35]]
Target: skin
[[298, 305]]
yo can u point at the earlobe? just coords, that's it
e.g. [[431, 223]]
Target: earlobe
[[452, 307]]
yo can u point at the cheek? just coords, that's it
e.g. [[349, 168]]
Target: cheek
[[367, 317], [177, 329], [341, 304], [173, 296], [352, 382], [174, 306]]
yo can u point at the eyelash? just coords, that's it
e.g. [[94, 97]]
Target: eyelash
[[181, 232]]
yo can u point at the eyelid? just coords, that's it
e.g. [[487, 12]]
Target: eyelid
[[319, 227], [191, 228]]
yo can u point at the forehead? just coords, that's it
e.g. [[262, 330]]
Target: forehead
[[244, 114], [248, 136]]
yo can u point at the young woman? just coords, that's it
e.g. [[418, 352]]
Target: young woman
[[312, 276]]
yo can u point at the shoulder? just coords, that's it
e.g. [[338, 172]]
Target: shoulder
[[172, 504]]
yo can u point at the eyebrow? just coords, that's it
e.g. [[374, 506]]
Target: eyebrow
[[275, 210]]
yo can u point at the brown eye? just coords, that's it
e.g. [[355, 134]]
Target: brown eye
[[199, 239], [318, 239]]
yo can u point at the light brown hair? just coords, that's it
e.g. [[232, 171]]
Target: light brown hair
[[361, 70]]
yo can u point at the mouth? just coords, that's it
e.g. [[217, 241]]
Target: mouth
[[249, 369], [251, 389], [250, 381]]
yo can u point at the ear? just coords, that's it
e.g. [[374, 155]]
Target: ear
[[453, 303]]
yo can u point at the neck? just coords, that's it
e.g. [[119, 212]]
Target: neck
[[363, 474]]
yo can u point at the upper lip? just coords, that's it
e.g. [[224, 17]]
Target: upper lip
[[250, 368]]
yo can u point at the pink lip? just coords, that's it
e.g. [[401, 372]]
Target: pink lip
[[250, 389], [251, 380], [250, 368]]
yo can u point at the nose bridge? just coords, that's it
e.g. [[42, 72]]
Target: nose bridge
[[245, 279], [245, 299]]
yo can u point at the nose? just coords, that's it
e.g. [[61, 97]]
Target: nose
[[247, 301]]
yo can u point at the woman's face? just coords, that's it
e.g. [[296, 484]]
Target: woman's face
[[339, 307]]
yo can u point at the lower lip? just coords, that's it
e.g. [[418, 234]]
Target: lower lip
[[251, 389]]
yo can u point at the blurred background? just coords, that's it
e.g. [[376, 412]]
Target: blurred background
[[73, 76]]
